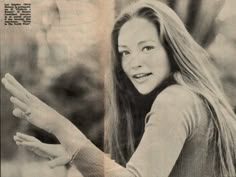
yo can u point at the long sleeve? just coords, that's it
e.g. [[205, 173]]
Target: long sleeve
[[172, 120]]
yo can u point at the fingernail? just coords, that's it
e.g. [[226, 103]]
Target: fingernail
[[7, 75], [16, 137], [3, 80], [12, 99]]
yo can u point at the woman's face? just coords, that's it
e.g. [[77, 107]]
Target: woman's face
[[143, 58]]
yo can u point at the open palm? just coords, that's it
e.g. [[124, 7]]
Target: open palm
[[29, 107]]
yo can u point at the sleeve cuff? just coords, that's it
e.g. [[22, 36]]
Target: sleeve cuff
[[71, 138]]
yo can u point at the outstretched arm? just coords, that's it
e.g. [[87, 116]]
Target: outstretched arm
[[30, 108]]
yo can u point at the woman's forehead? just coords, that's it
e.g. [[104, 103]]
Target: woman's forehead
[[137, 30]]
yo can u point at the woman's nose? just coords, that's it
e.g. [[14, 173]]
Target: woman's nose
[[135, 62]]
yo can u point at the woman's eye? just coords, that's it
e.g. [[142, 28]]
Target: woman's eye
[[147, 48], [124, 53]]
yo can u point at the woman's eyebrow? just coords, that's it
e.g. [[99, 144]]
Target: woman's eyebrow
[[122, 46], [145, 41], [139, 43]]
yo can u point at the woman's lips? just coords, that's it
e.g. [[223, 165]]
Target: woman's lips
[[140, 77]]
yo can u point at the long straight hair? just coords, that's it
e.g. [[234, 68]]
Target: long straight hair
[[192, 67]]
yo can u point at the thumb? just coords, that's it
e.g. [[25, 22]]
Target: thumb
[[59, 161]]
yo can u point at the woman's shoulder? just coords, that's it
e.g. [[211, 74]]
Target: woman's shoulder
[[177, 97], [177, 94], [178, 106]]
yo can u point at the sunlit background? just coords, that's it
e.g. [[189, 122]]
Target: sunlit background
[[62, 55]]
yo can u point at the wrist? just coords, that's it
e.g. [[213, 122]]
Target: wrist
[[70, 137], [59, 125]]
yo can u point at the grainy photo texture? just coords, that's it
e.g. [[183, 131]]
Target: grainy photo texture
[[118, 88]]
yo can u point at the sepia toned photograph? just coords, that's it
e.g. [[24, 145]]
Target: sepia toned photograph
[[118, 88]]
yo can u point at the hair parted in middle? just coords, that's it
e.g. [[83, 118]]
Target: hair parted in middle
[[191, 66]]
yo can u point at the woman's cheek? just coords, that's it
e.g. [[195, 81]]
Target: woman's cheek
[[125, 68]]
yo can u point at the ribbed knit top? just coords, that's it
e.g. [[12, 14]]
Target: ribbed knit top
[[174, 143]]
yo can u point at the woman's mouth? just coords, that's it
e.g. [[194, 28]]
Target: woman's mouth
[[141, 76]]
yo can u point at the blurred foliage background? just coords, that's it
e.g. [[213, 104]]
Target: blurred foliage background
[[62, 55]]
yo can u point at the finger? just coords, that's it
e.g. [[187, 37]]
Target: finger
[[29, 145], [14, 91], [18, 113], [14, 82], [52, 149], [3, 80], [25, 137], [17, 139], [19, 104], [60, 161]]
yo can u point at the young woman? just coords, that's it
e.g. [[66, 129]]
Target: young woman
[[166, 111]]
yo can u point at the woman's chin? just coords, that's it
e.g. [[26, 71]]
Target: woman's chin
[[144, 91]]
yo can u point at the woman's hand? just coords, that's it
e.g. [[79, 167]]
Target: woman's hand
[[29, 107], [55, 152]]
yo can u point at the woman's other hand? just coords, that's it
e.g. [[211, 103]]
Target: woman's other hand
[[55, 152], [29, 107]]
